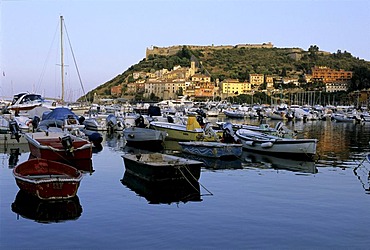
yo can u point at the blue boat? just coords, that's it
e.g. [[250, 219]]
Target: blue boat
[[212, 149]]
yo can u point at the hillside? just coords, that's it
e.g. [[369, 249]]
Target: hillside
[[238, 63]]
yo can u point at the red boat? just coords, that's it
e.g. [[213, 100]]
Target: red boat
[[61, 147], [47, 180]]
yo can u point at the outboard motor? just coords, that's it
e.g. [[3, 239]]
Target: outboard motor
[[200, 121], [14, 130], [35, 122], [139, 122], [67, 144], [81, 120], [228, 133], [201, 113], [170, 119]]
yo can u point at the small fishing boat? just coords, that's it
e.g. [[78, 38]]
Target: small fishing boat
[[279, 130], [60, 117], [161, 167], [61, 147], [144, 137], [212, 149], [269, 144], [47, 180], [192, 131]]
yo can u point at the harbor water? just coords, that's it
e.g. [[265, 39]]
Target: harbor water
[[257, 201]]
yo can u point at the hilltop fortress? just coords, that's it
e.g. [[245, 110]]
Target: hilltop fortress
[[172, 50]]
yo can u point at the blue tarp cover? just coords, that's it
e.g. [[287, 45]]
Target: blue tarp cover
[[58, 114]]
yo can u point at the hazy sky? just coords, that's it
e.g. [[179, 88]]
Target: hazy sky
[[107, 37]]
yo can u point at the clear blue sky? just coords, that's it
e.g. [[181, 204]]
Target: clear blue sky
[[107, 36]]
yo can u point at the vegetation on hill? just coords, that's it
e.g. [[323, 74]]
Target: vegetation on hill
[[238, 63]]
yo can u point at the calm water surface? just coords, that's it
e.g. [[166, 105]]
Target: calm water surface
[[254, 202]]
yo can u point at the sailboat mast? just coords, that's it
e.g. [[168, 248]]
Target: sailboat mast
[[62, 56]]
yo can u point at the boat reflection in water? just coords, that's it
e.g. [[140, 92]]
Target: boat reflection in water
[[216, 163], [42, 211], [173, 147], [14, 151], [274, 162], [163, 192]]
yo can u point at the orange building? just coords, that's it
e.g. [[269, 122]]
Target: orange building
[[328, 75], [116, 90]]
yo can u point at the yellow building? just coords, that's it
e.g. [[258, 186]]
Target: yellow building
[[269, 82], [200, 78], [233, 87], [256, 79]]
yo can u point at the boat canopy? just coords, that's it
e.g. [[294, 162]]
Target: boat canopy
[[59, 114]]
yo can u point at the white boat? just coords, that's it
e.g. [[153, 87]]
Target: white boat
[[276, 114], [25, 101], [269, 144], [279, 130], [144, 137], [212, 149], [234, 113], [213, 112], [95, 124], [341, 117]]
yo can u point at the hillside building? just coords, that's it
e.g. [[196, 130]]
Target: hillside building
[[256, 79], [336, 86], [328, 75], [233, 87], [164, 90], [116, 90]]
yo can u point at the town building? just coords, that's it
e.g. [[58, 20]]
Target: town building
[[256, 79], [232, 87], [336, 86], [328, 75]]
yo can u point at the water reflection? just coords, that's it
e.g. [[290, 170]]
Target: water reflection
[[42, 211], [274, 162], [163, 192], [14, 151], [114, 141], [214, 163], [362, 172]]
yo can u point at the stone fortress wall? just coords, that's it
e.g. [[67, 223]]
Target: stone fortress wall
[[171, 50]]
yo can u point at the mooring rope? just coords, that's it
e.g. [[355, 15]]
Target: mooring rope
[[184, 166]]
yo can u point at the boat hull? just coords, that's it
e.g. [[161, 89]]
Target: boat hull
[[161, 167], [258, 142], [212, 149], [51, 148], [47, 180], [179, 132], [144, 137], [234, 114]]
